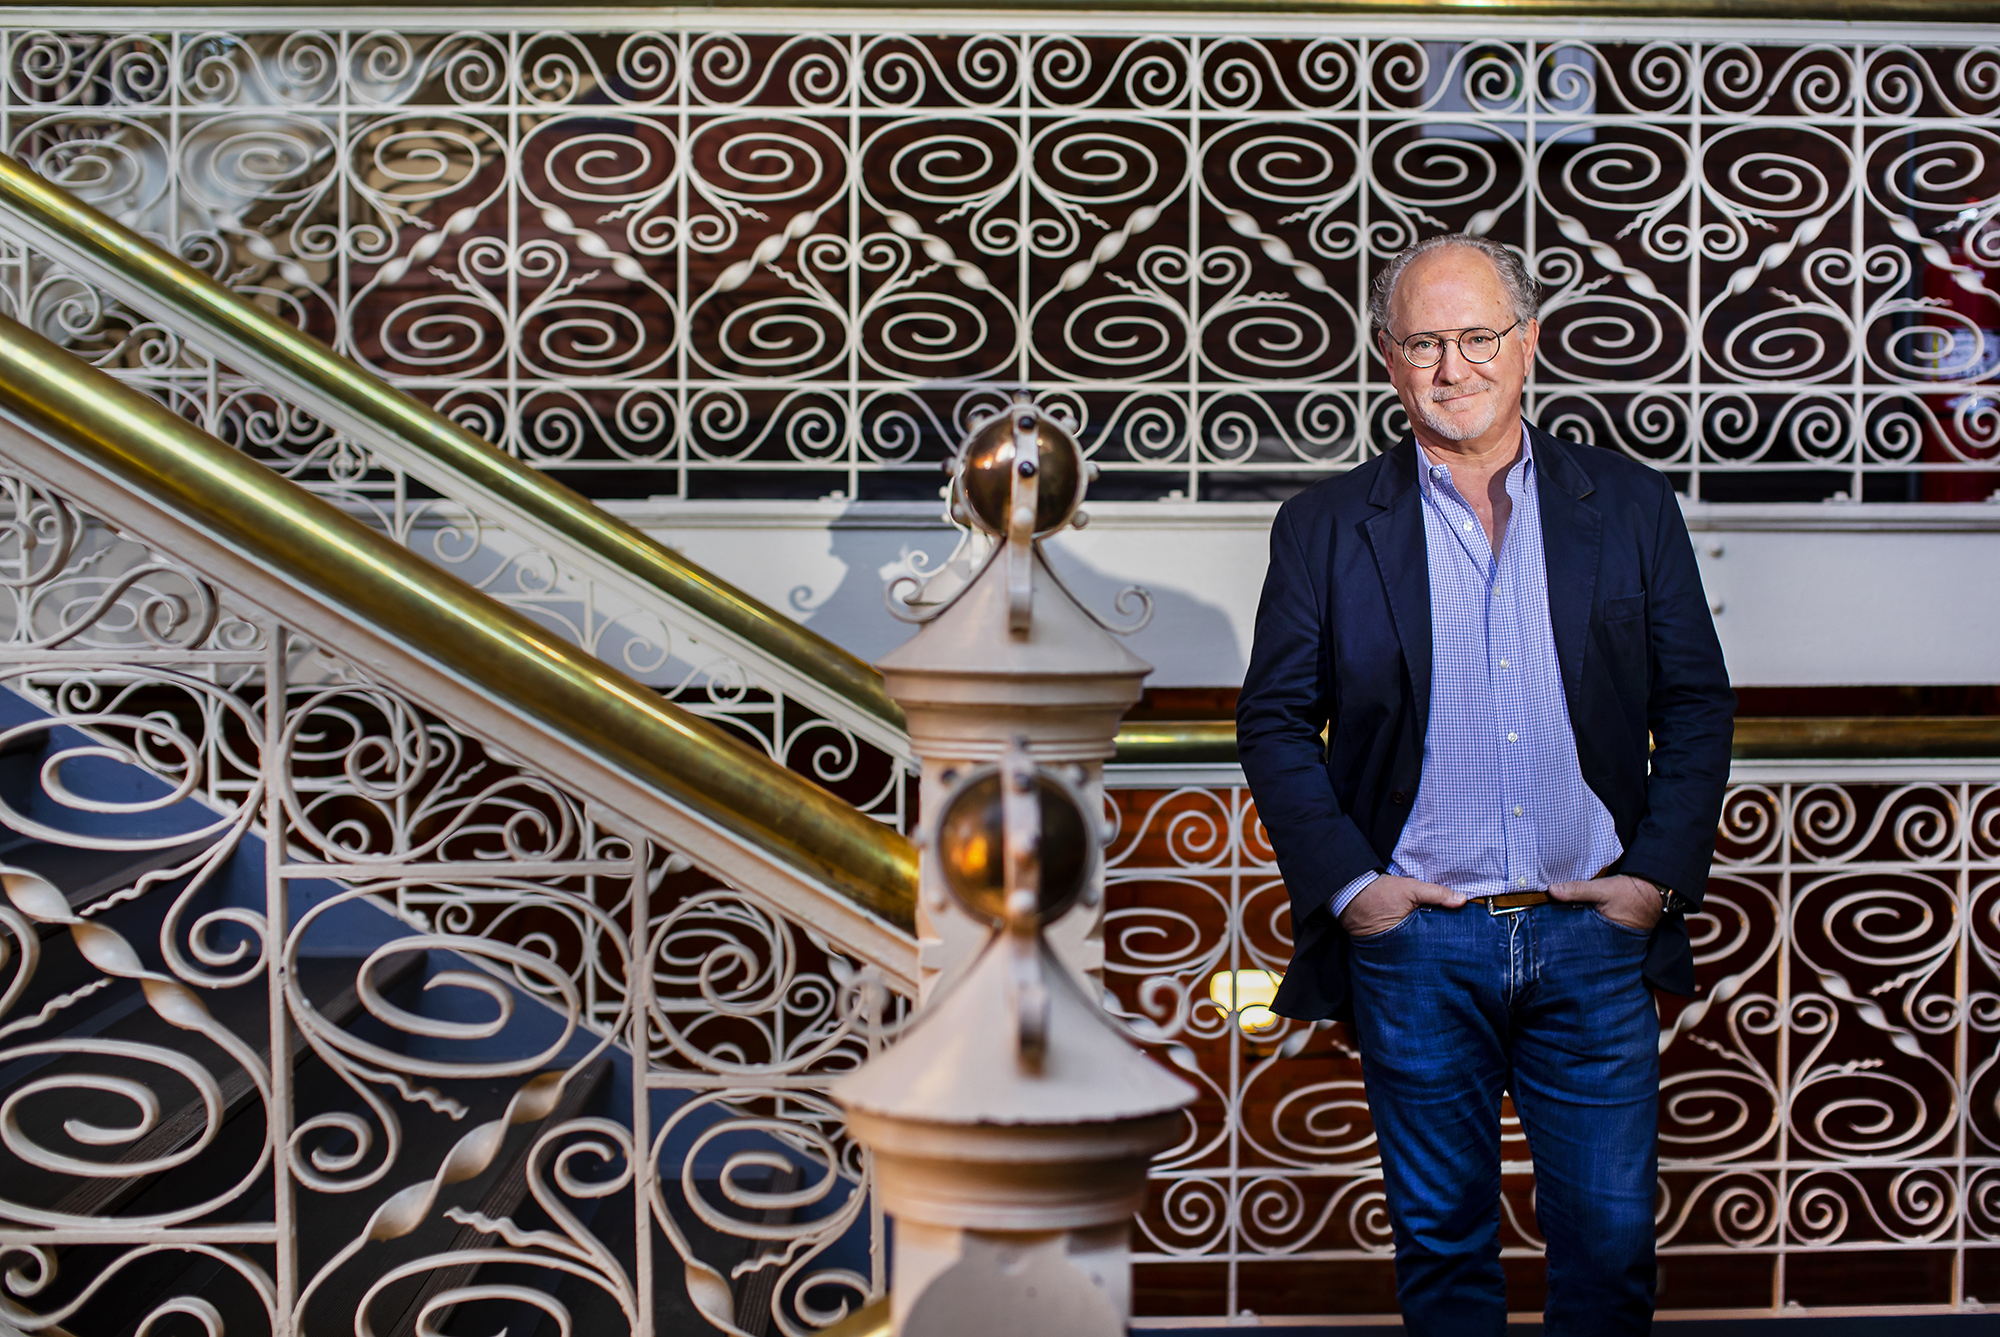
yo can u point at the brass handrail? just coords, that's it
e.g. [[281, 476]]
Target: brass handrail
[[1873, 737], [130, 437], [199, 303], [1876, 737], [1177, 743]]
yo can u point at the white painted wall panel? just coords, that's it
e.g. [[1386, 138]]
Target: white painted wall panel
[[1832, 595], [1808, 595]]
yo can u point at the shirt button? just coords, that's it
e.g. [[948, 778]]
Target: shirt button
[[1521, 882], [1503, 663], [1518, 810], [1513, 738], [1468, 526]]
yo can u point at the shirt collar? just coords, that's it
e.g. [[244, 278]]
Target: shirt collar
[[1428, 475]]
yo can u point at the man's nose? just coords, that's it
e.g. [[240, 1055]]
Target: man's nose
[[1453, 363]]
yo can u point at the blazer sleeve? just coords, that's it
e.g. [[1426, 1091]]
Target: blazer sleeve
[[1284, 705], [1691, 712]]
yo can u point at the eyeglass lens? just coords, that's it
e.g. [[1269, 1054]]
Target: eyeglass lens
[[1427, 350]]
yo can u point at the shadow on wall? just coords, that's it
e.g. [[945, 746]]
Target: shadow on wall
[[1188, 642]]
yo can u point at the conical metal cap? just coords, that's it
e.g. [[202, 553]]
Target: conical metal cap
[[972, 637], [959, 1063]]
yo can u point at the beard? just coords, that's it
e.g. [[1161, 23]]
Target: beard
[[1471, 421]]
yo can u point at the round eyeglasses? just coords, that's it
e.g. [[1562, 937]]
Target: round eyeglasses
[[1426, 349]]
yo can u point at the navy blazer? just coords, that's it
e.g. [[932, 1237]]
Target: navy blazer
[[1344, 642]]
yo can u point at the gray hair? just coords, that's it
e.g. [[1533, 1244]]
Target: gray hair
[[1523, 292]]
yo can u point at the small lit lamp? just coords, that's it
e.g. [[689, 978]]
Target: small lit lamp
[[1247, 994]]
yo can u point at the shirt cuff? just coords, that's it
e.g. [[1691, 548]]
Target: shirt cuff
[[1350, 891]]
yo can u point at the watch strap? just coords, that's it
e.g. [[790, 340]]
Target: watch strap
[[1670, 900]]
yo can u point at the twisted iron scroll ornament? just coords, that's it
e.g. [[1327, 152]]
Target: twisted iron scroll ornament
[[700, 257], [1832, 1089], [560, 935]]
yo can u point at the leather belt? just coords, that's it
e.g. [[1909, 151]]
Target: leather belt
[[1514, 902]]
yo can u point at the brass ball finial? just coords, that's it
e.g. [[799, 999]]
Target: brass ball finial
[[972, 844], [990, 456]]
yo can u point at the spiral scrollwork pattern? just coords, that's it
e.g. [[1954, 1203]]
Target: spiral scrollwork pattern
[[696, 262], [251, 178], [709, 261], [455, 944], [690, 255], [1829, 1129]]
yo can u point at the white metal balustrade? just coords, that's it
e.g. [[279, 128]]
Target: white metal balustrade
[[313, 790], [781, 257], [1829, 1136], [668, 255], [328, 973]]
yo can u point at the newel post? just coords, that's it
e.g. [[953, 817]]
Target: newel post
[[1012, 1124], [1006, 652]]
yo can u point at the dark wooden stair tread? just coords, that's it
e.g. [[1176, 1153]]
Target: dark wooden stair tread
[[756, 1290], [428, 1137], [327, 1222], [85, 877]]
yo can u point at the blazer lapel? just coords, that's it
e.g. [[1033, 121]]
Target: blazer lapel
[[1572, 542], [1396, 535]]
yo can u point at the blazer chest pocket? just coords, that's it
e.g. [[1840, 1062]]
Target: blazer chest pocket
[[1623, 633], [1620, 609]]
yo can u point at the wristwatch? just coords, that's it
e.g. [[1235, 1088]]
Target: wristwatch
[[1670, 900]]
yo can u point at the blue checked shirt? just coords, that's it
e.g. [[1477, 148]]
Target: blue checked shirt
[[1501, 805]]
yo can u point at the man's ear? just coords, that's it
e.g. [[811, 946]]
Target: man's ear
[[1531, 338]]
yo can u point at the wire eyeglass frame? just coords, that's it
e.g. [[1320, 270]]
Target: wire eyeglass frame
[[1403, 344]]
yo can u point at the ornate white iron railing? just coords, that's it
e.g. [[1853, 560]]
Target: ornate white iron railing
[[1829, 1135], [679, 256], [316, 418], [226, 751], [670, 255], [777, 260], [290, 790]]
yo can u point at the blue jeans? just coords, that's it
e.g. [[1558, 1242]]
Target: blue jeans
[[1451, 1008]]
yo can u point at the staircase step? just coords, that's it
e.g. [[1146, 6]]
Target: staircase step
[[757, 1289], [592, 1310], [85, 877], [329, 984], [428, 1138]]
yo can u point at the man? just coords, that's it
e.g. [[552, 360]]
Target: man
[[1486, 865]]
